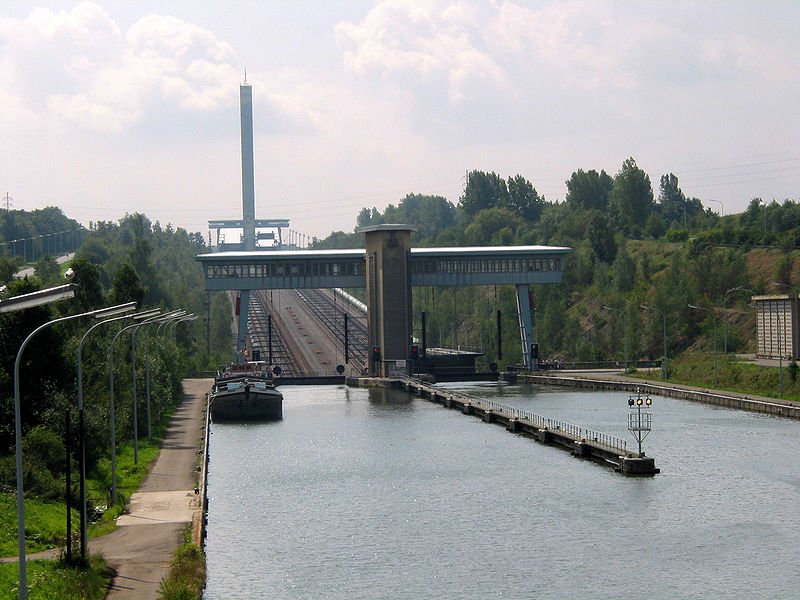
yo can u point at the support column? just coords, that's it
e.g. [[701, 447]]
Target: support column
[[241, 334], [525, 329], [389, 316]]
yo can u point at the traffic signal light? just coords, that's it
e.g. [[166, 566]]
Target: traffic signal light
[[414, 352], [376, 353]]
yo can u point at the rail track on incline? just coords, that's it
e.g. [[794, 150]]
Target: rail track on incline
[[307, 331]]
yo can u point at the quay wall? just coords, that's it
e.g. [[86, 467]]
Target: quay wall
[[718, 398], [199, 525]]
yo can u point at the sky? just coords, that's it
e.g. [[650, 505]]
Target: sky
[[114, 107]]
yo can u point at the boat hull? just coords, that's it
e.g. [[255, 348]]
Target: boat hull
[[247, 403]]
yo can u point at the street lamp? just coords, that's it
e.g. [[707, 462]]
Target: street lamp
[[665, 361], [37, 298], [183, 319], [100, 313], [722, 206], [121, 309], [738, 288], [112, 414], [625, 327], [714, 318], [167, 316]]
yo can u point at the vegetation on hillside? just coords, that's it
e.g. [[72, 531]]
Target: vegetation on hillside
[[633, 246]]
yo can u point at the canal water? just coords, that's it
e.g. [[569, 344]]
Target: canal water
[[374, 494]]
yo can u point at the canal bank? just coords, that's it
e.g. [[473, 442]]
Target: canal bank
[[600, 381]]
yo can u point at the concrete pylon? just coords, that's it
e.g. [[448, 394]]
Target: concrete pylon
[[389, 316]]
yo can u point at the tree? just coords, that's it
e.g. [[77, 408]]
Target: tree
[[601, 236], [624, 271], [484, 190], [368, 217], [90, 291], [523, 198], [589, 189], [671, 200], [48, 271], [127, 286], [8, 268], [631, 198], [492, 227]]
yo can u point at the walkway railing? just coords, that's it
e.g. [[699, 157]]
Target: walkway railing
[[576, 431]]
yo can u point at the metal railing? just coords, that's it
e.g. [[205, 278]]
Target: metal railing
[[576, 431]]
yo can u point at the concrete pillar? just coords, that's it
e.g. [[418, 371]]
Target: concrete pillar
[[389, 317], [525, 328]]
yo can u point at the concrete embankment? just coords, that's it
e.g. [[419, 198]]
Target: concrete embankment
[[769, 406]]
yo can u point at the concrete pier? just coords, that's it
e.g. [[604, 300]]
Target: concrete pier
[[581, 442]]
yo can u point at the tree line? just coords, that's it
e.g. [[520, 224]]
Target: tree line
[[633, 246], [132, 260]]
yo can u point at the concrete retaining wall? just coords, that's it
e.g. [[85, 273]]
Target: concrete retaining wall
[[776, 408]]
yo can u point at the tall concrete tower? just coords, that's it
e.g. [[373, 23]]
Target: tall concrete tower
[[248, 183], [248, 206]]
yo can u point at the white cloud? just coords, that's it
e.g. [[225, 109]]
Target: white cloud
[[424, 40], [92, 76]]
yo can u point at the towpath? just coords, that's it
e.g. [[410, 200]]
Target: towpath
[[142, 547]]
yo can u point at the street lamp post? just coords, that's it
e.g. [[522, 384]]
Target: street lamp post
[[133, 390], [23, 589], [122, 308], [665, 361], [12, 305], [714, 318], [738, 288], [722, 206], [111, 404], [625, 328]]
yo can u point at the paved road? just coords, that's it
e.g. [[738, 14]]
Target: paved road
[[141, 548], [28, 271]]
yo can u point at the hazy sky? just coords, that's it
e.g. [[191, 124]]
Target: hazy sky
[[113, 107]]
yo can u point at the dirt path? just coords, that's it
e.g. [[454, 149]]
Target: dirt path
[[141, 548]]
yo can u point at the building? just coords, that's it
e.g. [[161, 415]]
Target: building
[[776, 326]]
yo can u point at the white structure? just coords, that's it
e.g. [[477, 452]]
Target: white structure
[[776, 326]]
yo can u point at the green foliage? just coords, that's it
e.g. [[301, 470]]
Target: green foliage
[[127, 286], [483, 190], [38, 233], [45, 524], [48, 271], [186, 578], [631, 198], [55, 580], [9, 265], [589, 189], [697, 368]]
